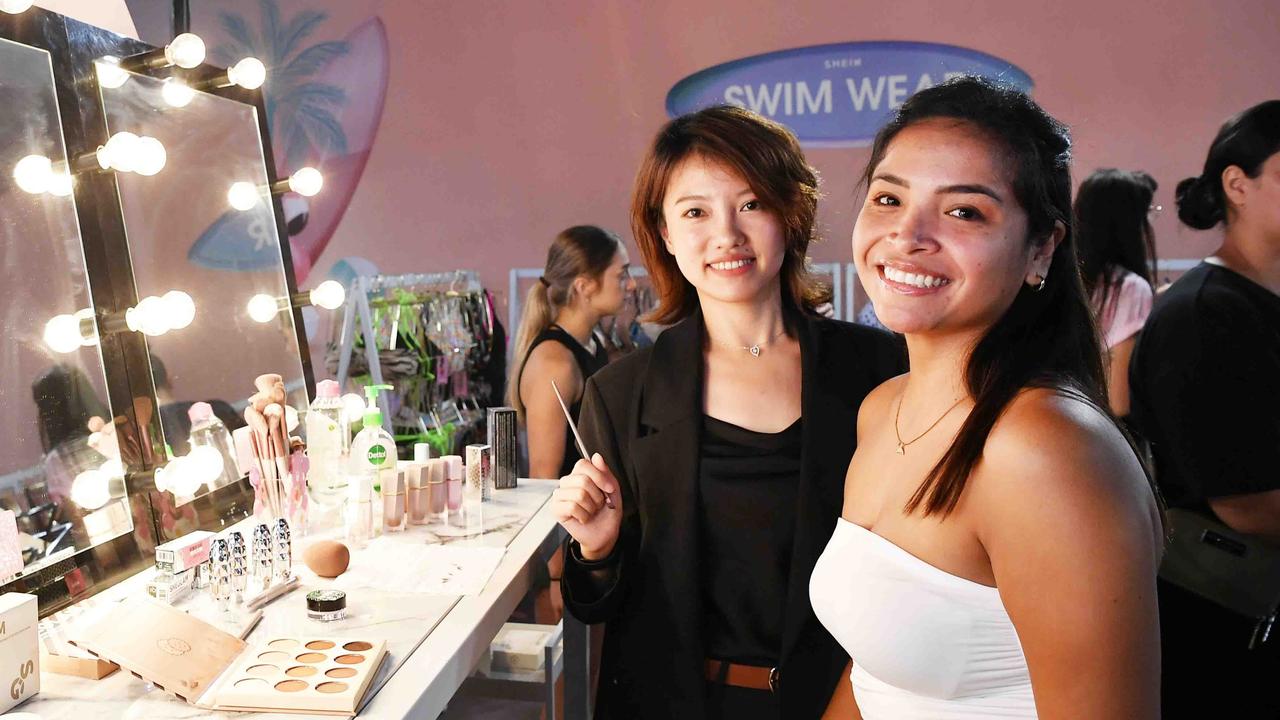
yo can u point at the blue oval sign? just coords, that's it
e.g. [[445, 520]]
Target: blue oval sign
[[835, 95]]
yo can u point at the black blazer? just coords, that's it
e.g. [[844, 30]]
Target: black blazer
[[643, 414]]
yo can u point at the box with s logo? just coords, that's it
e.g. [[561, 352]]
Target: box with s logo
[[19, 649]]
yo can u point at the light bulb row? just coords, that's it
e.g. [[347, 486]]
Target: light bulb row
[[187, 51], [151, 316], [329, 295], [244, 196], [126, 152]]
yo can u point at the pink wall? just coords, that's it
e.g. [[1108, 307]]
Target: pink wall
[[505, 122]]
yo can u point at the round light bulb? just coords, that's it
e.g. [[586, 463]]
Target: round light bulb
[[329, 295], [243, 196], [263, 308], [151, 156], [112, 468], [33, 174], [62, 333], [180, 309], [90, 489], [120, 153], [149, 317], [353, 407], [177, 93], [110, 74], [61, 183], [290, 418], [186, 51], [306, 181], [206, 463], [249, 73], [183, 477], [13, 7]]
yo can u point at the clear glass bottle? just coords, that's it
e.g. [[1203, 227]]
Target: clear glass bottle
[[328, 442], [208, 431]]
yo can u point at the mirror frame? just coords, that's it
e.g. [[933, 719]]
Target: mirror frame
[[73, 47]]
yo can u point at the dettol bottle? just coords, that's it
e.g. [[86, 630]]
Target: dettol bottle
[[373, 451]]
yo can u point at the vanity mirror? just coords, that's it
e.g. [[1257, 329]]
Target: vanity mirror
[[63, 482], [197, 205]]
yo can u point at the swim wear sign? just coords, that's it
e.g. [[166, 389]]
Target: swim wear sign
[[835, 95]]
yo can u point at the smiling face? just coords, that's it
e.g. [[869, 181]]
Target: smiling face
[[941, 242], [726, 243]]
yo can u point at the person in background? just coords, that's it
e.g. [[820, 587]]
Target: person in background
[[1116, 246], [1205, 385], [586, 278], [721, 448], [998, 550]]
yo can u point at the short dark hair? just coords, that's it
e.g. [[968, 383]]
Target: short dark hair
[[766, 155], [1245, 140]]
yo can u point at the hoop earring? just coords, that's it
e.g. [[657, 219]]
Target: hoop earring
[[1040, 285]]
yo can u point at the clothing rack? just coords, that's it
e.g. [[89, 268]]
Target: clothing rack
[[358, 319]]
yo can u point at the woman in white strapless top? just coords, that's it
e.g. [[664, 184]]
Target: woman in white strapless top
[[998, 551]]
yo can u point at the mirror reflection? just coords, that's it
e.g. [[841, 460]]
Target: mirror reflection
[[58, 476], [203, 240]]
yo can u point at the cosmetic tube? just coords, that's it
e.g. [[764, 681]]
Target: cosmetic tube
[[418, 501], [393, 502]]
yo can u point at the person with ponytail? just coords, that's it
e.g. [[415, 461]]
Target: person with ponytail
[[586, 278], [1117, 262], [998, 548], [1205, 379]]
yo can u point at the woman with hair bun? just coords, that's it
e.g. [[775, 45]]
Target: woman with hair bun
[[1205, 380]]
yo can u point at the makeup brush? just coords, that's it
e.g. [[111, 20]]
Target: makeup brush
[[582, 447]]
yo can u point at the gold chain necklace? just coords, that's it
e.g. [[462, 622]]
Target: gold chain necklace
[[902, 446]]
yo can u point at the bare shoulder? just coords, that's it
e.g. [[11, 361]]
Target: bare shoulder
[[552, 361], [1054, 460], [878, 403]]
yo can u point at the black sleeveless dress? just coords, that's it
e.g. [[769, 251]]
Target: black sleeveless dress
[[588, 364]]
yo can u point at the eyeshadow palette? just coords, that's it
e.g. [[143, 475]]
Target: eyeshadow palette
[[210, 668], [305, 674]]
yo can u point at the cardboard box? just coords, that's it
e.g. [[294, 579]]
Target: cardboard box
[[186, 552], [19, 649]]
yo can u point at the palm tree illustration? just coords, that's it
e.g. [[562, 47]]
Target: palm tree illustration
[[300, 110]]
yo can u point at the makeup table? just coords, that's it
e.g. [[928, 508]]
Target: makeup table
[[434, 641]]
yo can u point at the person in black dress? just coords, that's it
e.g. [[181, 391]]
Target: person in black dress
[[585, 279], [1205, 381], [718, 454]]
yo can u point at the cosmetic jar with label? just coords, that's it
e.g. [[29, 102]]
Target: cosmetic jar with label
[[327, 605]]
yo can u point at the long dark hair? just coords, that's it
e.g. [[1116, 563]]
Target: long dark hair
[[1246, 140], [767, 155], [1112, 230], [1046, 338], [582, 250]]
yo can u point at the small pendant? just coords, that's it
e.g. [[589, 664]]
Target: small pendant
[[902, 449], [754, 350]]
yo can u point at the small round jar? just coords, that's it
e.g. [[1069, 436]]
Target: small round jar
[[327, 605]]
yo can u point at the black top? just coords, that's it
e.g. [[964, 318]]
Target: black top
[[588, 364], [644, 414], [747, 500], [1204, 381]]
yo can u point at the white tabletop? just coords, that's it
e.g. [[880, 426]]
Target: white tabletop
[[433, 641]]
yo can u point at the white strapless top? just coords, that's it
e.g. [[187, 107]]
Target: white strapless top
[[926, 644]]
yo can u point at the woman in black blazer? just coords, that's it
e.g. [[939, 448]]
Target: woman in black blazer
[[719, 453]]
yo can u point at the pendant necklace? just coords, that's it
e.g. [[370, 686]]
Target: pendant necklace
[[755, 349], [902, 446]]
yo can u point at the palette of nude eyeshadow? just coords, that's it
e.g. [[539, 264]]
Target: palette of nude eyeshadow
[[213, 669]]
